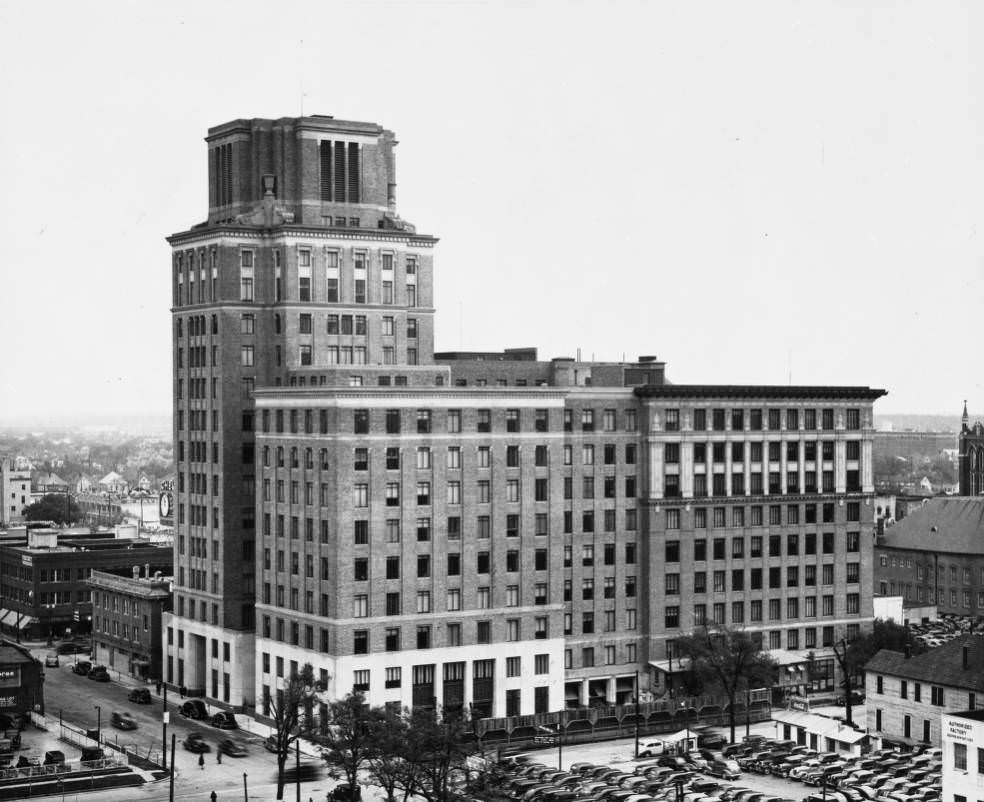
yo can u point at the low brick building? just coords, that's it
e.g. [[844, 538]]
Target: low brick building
[[43, 578], [907, 696], [126, 620], [935, 555]]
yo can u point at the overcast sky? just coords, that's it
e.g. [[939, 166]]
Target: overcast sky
[[755, 192]]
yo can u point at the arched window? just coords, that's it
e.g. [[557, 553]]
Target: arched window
[[324, 459]]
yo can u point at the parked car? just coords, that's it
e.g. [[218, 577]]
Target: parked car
[[123, 721], [343, 792], [856, 698], [51, 660], [91, 753], [724, 768], [82, 667], [194, 708], [140, 695], [229, 747], [652, 748], [711, 740], [195, 742], [270, 743], [54, 757], [225, 721], [99, 674]]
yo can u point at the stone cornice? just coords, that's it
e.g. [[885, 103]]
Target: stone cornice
[[183, 239]]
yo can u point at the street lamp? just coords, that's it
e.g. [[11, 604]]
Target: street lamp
[[98, 722]]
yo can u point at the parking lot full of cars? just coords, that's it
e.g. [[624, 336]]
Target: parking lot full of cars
[[707, 774]]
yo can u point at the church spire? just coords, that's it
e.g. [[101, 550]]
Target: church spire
[[965, 420]]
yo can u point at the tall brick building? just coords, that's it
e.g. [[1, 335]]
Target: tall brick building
[[483, 529]]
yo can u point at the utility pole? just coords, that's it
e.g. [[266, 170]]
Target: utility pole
[[164, 719], [297, 763], [560, 743], [245, 792], [637, 714], [171, 792], [748, 714]]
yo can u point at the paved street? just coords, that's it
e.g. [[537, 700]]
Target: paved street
[[75, 698]]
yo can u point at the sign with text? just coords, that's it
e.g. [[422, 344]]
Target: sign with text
[[959, 731], [9, 676]]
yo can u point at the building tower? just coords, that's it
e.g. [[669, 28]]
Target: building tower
[[970, 456], [302, 265]]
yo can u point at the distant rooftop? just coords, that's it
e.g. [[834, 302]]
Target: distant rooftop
[[941, 524], [940, 666], [973, 715]]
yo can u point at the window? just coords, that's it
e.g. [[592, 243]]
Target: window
[[960, 756]]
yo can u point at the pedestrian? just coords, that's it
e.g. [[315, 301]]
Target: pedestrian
[[182, 691], [201, 762], [218, 755], [158, 687], [213, 797]]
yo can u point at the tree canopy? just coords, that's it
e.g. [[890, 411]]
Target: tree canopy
[[730, 660], [56, 507], [290, 709]]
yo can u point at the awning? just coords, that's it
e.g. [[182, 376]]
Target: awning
[[7, 616], [678, 666], [25, 622]]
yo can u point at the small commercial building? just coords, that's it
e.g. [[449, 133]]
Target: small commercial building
[[821, 733], [963, 756], [21, 680], [126, 620]]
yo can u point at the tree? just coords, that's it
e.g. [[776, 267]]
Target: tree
[[290, 710], [350, 738], [388, 765], [853, 656], [731, 660], [439, 745], [58, 508]]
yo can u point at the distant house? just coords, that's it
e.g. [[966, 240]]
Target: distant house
[[83, 484], [47, 482], [112, 482], [143, 483]]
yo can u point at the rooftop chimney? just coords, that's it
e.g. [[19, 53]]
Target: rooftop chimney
[[136, 572], [966, 657], [147, 570]]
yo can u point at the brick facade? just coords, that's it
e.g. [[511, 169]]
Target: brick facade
[[309, 406]]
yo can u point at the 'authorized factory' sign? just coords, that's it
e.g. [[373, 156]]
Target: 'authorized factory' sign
[[959, 731]]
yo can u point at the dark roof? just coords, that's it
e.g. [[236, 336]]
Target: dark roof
[[940, 666], [954, 524], [14, 653], [776, 392]]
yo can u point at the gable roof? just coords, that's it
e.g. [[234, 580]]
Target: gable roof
[[940, 666], [941, 525]]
